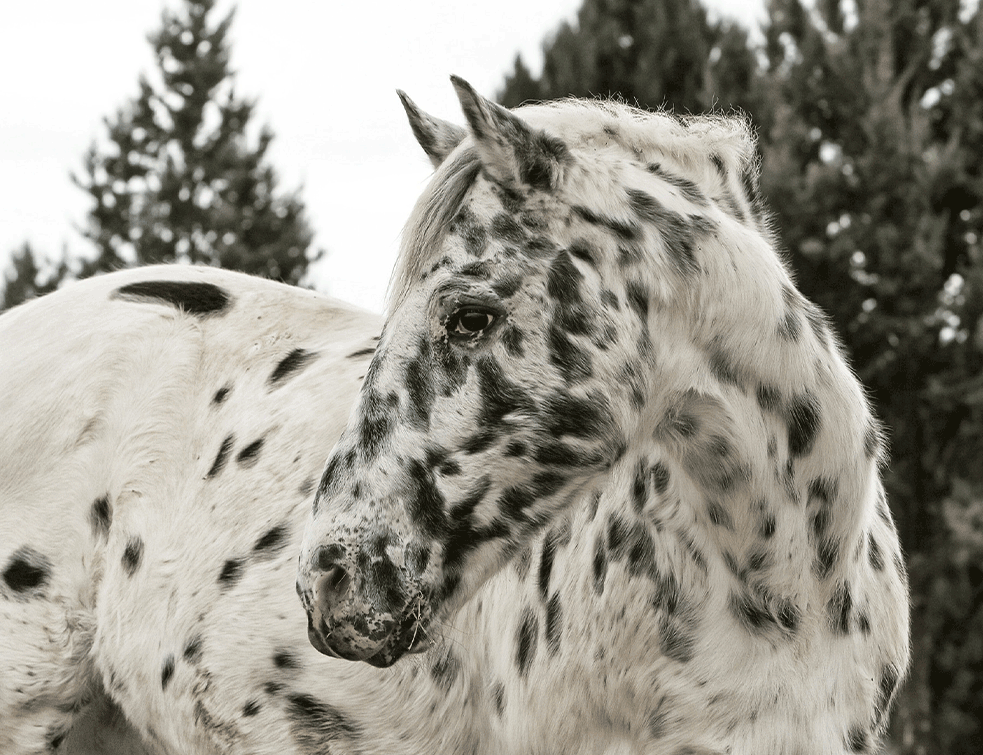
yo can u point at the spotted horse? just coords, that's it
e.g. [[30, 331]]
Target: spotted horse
[[607, 482]]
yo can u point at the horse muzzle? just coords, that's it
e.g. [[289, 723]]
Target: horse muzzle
[[360, 609]]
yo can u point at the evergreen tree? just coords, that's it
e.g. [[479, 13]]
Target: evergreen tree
[[647, 52], [180, 180], [872, 159], [26, 279]]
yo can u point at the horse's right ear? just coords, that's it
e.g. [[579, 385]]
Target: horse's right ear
[[438, 138]]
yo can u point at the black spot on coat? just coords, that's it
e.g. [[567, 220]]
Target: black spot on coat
[[27, 570], [315, 724], [194, 297], [231, 572], [249, 455], [101, 516], [166, 672], [192, 649], [272, 540], [222, 457], [132, 555], [803, 420], [554, 624], [290, 365], [525, 641]]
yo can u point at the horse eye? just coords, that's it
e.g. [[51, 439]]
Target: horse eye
[[469, 322]]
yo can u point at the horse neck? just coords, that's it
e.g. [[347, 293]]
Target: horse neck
[[757, 439]]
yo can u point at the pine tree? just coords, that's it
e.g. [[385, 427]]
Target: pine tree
[[652, 53], [27, 279], [179, 180], [872, 160]]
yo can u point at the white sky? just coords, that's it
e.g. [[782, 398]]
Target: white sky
[[325, 75]]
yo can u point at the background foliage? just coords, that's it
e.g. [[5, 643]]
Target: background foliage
[[870, 120]]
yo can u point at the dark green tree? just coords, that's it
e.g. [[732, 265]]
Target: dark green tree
[[873, 154], [180, 179], [27, 279], [647, 52]]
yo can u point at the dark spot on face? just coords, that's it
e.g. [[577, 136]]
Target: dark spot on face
[[132, 555], [499, 395], [574, 363], [507, 285], [564, 279], [231, 571], [290, 366], [101, 516], [506, 228], [222, 457], [167, 672], [368, 351], [424, 501], [221, 394], [378, 418], [420, 389], [525, 641], [512, 340], [27, 570], [626, 231], [192, 297], [250, 709], [248, 456]]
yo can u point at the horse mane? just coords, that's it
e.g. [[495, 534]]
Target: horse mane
[[701, 144]]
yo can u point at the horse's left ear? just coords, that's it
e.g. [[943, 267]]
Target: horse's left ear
[[511, 151], [438, 138]]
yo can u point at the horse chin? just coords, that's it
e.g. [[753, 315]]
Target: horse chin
[[409, 638]]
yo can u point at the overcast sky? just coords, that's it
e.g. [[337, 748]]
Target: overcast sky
[[325, 75]]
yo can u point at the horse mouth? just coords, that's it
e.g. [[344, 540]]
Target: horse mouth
[[407, 638]]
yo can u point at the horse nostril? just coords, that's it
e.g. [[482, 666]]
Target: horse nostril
[[333, 586]]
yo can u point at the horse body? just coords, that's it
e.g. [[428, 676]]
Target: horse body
[[607, 484]]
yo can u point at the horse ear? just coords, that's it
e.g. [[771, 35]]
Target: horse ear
[[511, 151], [438, 138]]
